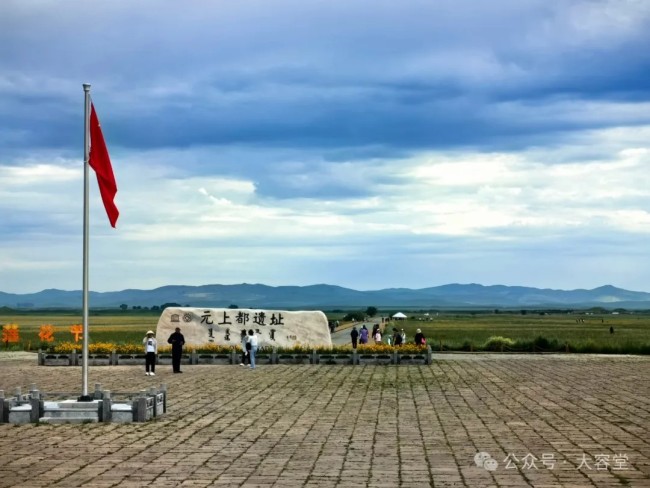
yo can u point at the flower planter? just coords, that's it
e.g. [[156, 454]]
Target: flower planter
[[302, 358], [366, 359], [99, 359], [165, 359], [375, 359], [384, 359], [56, 360], [233, 357], [214, 359], [262, 359], [335, 359], [412, 359], [292, 358], [130, 359]]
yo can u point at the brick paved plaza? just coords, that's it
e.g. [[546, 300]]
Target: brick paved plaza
[[580, 420]]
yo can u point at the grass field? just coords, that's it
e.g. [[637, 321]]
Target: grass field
[[583, 333], [462, 331]]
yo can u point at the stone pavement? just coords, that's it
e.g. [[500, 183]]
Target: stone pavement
[[556, 420]]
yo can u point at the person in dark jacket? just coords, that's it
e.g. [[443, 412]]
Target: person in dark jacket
[[177, 341], [397, 337], [419, 338], [355, 336], [244, 350]]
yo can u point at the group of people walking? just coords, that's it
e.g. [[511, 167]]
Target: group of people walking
[[361, 336]]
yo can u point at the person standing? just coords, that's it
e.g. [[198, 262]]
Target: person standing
[[150, 351], [252, 340], [177, 341], [355, 336], [363, 335], [397, 337], [244, 348], [419, 338], [377, 336]]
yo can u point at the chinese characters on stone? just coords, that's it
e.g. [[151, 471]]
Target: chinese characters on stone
[[225, 321]]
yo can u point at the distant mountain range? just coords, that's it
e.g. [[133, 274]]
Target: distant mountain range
[[456, 296]]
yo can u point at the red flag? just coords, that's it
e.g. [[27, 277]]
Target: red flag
[[101, 163]]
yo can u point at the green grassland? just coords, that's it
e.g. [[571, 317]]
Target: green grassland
[[446, 331], [535, 333]]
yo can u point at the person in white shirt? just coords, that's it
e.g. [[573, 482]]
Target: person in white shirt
[[377, 337], [252, 340], [150, 350]]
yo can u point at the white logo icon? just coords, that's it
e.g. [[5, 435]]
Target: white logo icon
[[484, 460]]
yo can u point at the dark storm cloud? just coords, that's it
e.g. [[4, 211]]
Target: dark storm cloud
[[291, 74]]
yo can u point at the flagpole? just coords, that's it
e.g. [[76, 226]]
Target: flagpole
[[84, 365]]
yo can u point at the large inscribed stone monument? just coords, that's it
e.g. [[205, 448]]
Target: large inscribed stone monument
[[223, 326]]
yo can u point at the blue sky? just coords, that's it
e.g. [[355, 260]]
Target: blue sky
[[367, 144]]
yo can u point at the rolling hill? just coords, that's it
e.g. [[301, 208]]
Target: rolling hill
[[324, 296]]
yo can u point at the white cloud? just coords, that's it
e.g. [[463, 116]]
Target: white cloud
[[604, 22], [519, 198], [365, 144], [30, 174]]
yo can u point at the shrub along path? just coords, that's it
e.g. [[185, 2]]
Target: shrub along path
[[551, 420]]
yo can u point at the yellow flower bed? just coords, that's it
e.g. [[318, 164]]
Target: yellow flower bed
[[67, 347], [98, 348], [109, 347]]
